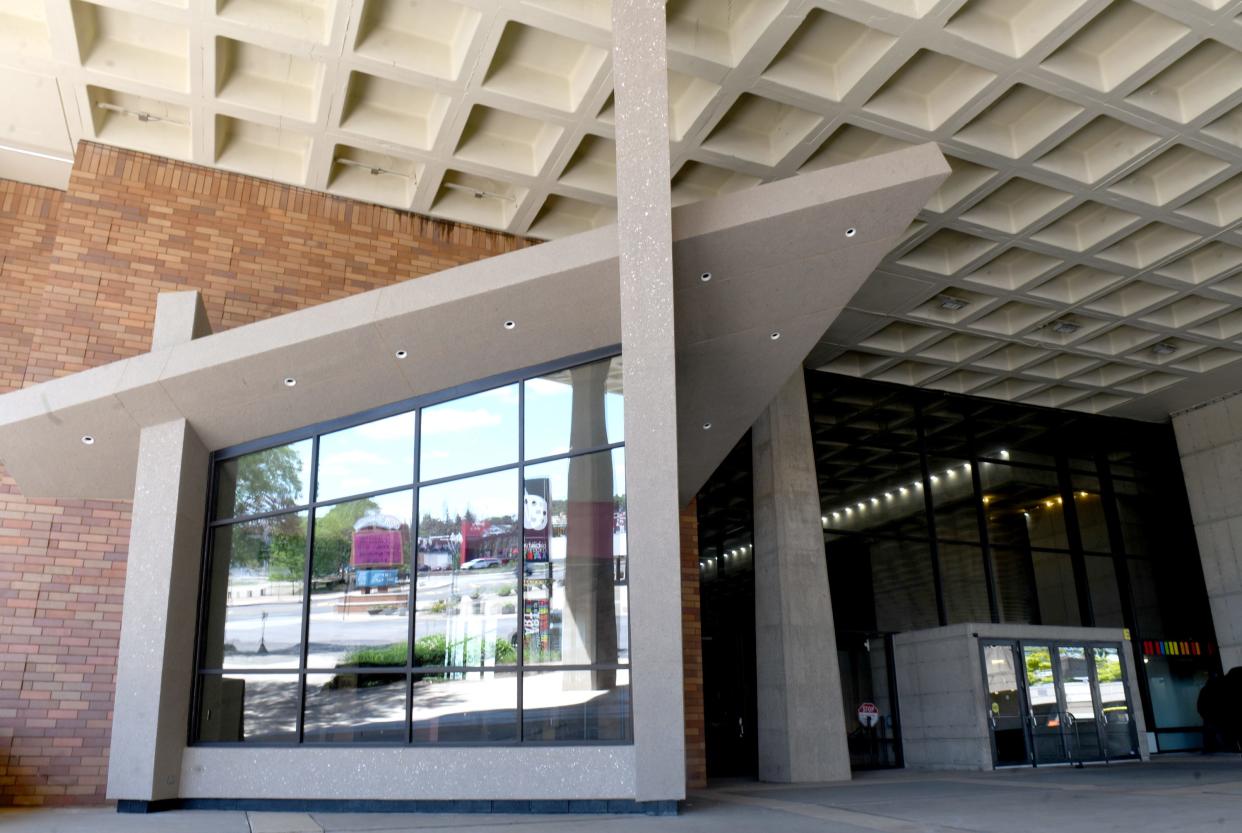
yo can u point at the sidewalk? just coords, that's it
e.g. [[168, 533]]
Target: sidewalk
[[1190, 794]]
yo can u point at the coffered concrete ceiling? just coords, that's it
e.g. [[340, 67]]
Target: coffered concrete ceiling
[[1086, 253]]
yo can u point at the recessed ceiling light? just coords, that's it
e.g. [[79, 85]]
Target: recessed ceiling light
[[953, 304], [850, 232], [401, 354], [776, 334], [707, 426], [87, 439], [1164, 348], [705, 277], [1064, 327], [290, 381], [509, 325]]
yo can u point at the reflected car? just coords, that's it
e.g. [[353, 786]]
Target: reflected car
[[481, 564]]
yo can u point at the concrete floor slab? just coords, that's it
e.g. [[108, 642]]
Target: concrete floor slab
[[1187, 794]]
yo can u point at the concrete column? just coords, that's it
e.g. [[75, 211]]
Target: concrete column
[[1209, 440], [156, 655], [644, 217], [156, 659], [801, 728]]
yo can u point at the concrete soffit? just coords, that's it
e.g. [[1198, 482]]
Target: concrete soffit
[[783, 258]]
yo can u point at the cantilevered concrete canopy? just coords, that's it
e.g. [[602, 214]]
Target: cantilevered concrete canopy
[[783, 260]]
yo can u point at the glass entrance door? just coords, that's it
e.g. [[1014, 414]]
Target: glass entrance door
[[1057, 703]]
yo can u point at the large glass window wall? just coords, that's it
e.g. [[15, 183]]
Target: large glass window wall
[[451, 570], [940, 509]]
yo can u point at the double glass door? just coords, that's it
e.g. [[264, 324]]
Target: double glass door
[[1056, 703]]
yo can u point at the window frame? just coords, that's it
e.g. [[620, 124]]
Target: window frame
[[409, 672]]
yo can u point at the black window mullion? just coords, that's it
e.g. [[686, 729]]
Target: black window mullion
[[981, 516], [521, 582], [412, 596], [312, 488], [930, 512], [1074, 535]]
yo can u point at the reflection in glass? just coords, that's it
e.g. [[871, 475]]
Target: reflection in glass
[[1056, 589], [1115, 717], [1105, 594], [1045, 710], [1091, 522], [904, 592], [366, 458], [570, 706], [572, 409], [469, 545], [1143, 519], [1024, 507], [254, 594], [469, 434], [965, 584], [465, 707], [953, 498], [265, 481], [259, 708], [360, 583], [1015, 599], [355, 708], [1081, 730], [574, 556], [1005, 704]]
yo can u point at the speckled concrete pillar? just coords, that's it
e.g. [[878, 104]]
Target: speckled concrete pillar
[[644, 228], [801, 725]]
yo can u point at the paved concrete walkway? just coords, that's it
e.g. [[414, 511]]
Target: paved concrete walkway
[[1191, 794]]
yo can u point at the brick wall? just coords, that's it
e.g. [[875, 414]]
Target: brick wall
[[79, 273], [692, 650]]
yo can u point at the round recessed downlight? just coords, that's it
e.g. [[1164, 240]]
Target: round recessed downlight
[[509, 325], [290, 381], [775, 335], [705, 277], [87, 439], [707, 426], [401, 354], [850, 232]]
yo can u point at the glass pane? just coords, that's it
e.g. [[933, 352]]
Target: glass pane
[[259, 708], [965, 584], [1105, 595], [1015, 598], [1115, 717], [576, 408], [576, 705], [904, 592], [468, 434], [254, 593], [1056, 589], [574, 553], [1091, 523], [953, 497], [465, 707], [1143, 519], [360, 583], [355, 708], [1081, 729], [1024, 507], [1005, 705], [1045, 710], [1148, 615], [468, 544], [366, 458], [864, 664], [265, 481]]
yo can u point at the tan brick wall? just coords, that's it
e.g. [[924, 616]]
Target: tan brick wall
[[692, 650], [79, 273]]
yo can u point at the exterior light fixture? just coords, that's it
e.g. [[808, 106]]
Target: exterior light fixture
[[1004, 454], [707, 426], [87, 439], [509, 325], [401, 354], [1065, 327], [1164, 348], [775, 335], [953, 304], [705, 277], [862, 506], [850, 232], [823, 519], [290, 381]]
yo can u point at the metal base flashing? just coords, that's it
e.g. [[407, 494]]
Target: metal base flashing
[[625, 806]]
